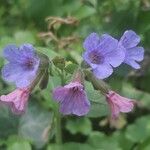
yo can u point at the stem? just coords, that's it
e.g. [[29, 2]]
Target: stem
[[58, 118], [97, 83], [62, 78], [58, 127]]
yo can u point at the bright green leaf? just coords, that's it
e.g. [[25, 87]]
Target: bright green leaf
[[79, 125]]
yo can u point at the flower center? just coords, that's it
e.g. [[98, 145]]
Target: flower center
[[75, 89], [29, 64], [95, 57]]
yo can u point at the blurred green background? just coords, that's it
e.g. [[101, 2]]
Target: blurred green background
[[58, 27]]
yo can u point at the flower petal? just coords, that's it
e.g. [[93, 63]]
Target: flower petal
[[119, 104], [103, 71], [86, 58], [72, 98], [10, 72], [126, 105], [60, 93], [15, 73], [129, 39], [107, 44], [26, 79], [19, 107], [11, 53], [116, 57], [17, 100], [76, 104], [115, 110], [27, 50], [136, 53], [91, 42], [133, 64], [19, 55], [81, 105]]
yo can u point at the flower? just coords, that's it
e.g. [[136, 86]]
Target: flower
[[17, 100], [103, 53], [72, 99], [23, 65], [119, 104], [133, 53]]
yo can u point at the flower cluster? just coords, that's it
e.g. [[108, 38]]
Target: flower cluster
[[22, 70], [102, 54]]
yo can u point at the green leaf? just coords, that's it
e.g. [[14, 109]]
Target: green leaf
[[131, 92], [46, 94], [99, 105], [70, 146], [119, 136], [139, 131], [9, 122], [70, 67], [48, 52], [79, 125], [18, 144], [98, 110], [36, 125], [99, 141], [76, 56]]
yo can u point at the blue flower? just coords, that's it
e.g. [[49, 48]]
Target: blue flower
[[23, 65], [133, 53], [102, 54]]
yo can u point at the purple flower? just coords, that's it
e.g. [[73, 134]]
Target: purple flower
[[133, 53], [23, 64], [103, 53], [72, 99]]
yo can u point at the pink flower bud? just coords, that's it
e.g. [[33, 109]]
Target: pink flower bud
[[17, 100], [119, 104]]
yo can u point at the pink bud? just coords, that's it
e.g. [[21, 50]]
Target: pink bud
[[119, 104], [17, 100]]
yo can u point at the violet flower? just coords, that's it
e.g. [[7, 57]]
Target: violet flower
[[23, 65], [103, 53], [72, 99], [119, 104], [17, 100], [133, 53]]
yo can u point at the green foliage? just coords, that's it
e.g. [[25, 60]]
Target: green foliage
[[70, 146], [81, 125], [100, 141], [36, 125], [15, 143], [36, 128], [139, 131]]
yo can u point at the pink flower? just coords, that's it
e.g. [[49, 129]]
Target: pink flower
[[119, 104], [17, 100]]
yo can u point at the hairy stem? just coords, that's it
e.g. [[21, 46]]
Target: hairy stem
[[58, 127]]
